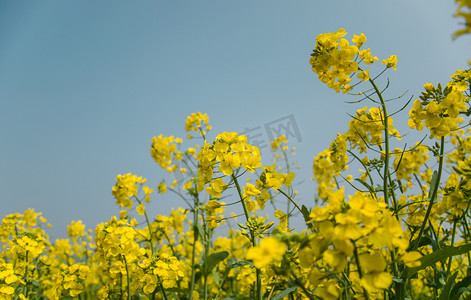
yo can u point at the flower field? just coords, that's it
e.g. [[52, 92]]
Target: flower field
[[399, 228]]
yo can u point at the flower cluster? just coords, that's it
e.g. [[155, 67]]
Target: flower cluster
[[127, 187], [463, 11], [229, 151], [334, 59], [162, 150], [439, 109], [397, 229], [197, 122]]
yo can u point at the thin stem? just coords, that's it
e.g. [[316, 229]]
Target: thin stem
[[163, 291], [305, 290], [244, 206], [291, 199], [206, 254], [434, 194], [25, 276], [360, 271], [386, 142], [151, 240], [466, 236], [193, 250], [452, 242], [273, 288], [252, 235], [128, 288]]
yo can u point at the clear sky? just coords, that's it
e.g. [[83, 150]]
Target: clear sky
[[85, 85]]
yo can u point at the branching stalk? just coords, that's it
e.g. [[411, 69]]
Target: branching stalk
[[252, 236]]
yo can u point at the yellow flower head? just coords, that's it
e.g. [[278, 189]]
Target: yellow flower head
[[391, 62], [269, 251], [359, 39]]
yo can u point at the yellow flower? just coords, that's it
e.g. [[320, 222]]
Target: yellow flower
[[102, 292], [162, 187], [6, 290], [416, 116], [454, 103], [359, 39], [275, 145], [76, 229], [213, 221], [333, 60], [428, 87], [217, 186], [140, 209], [212, 205], [195, 122], [374, 278], [338, 256], [229, 162], [269, 251], [251, 190], [364, 75], [391, 62], [187, 185], [125, 188], [411, 259], [367, 57], [283, 219], [162, 150]]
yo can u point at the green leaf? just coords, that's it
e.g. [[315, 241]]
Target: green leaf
[[434, 183], [217, 278], [212, 260], [460, 288], [306, 215], [399, 184], [370, 189], [285, 292], [434, 257], [200, 230], [36, 283], [445, 295], [424, 241], [240, 264]]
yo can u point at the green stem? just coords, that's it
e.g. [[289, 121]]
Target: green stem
[[360, 271], [25, 276], [291, 199], [163, 291], [252, 235], [433, 196], [273, 288], [305, 290], [151, 241], [466, 237], [366, 170], [288, 208], [386, 142], [452, 242], [150, 233], [394, 200], [193, 250], [128, 288], [206, 254], [242, 200], [434, 233], [205, 287]]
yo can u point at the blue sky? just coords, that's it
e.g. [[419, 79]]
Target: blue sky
[[85, 85]]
